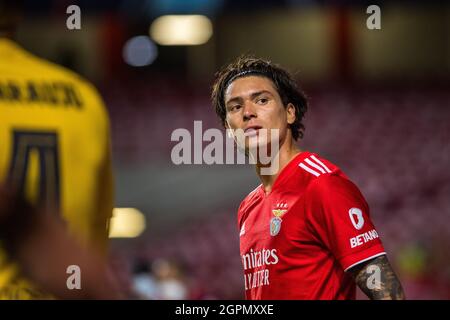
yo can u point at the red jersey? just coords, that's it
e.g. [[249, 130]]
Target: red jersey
[[297, 241]]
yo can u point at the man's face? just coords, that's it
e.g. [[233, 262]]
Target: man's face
[[253, 103]]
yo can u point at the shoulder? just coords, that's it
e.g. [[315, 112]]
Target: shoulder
[[311, 170], [331, 190], [92, 107], [56, 73], [249, 201], [252, 197], [314, 166], [322, 176], [331, 184], [52, 70]]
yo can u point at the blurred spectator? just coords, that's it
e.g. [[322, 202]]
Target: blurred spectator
[[144, 284], [170, 280]]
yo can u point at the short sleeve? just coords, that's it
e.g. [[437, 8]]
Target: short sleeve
[[339, 217]]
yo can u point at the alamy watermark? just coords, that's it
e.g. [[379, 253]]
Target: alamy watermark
[[373, 22], [73, 21], [74, 280], [374, 280], [254, 146]]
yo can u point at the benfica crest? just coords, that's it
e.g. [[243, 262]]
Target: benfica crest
[[275, 222]]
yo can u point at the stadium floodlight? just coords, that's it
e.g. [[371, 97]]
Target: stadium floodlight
[[173, 30], [139, 51], [126, 223]]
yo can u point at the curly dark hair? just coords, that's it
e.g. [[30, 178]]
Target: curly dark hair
[[284, 82]]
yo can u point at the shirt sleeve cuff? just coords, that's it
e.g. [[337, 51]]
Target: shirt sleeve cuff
[[352, 260]]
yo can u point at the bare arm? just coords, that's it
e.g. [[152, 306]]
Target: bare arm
[[43, 248], [377, 279]]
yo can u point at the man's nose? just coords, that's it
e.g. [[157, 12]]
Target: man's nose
[[249, 111]]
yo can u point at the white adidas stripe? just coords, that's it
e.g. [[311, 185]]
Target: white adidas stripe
[[256, 189], [321, 163], [361, 261], [242, 232], [312, 164], [309, 169], [315, 167]]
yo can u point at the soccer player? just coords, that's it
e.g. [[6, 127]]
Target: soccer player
[[54, 148], [305, 232]]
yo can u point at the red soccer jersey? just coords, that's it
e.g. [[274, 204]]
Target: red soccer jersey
[[297, 241]]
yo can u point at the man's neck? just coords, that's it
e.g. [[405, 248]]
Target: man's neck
[[288, 151]]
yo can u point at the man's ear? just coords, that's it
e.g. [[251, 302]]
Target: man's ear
[[290, 112]]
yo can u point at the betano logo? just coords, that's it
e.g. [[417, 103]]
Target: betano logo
[[356, 213]]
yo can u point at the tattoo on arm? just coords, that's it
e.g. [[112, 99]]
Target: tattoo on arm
[[377, 279]]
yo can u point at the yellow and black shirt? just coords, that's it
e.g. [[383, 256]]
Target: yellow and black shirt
[[55, 147]]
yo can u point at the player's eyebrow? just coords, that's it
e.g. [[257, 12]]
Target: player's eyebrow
[[252, 96]]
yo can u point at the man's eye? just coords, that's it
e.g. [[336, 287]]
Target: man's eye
[[262, 101], [234, 108]]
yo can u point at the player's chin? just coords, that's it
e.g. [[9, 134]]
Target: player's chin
[[257, 146], [251, 143]]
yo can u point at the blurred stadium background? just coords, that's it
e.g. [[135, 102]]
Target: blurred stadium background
[[379, 108]]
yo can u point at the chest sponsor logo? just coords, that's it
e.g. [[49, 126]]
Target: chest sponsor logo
[[356, 217], [256, 273], [275, 223]]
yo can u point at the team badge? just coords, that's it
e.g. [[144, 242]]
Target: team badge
[[275, 226], [275, 222]]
